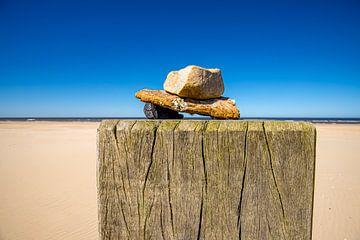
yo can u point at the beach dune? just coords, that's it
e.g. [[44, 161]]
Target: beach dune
[[48, 181]]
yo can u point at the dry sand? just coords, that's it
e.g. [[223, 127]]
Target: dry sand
[[337, 182], [48, 185], [47, 180]]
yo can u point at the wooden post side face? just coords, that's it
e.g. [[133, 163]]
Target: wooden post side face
[[224, 152], [292, 150], [188, 179], [261, 206]]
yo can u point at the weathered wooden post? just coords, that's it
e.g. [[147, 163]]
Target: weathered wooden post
[[188, 179]]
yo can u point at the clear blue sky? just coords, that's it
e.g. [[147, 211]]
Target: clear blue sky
[[88, 58]]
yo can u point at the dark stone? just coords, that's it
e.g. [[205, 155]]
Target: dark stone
[[153, 111]]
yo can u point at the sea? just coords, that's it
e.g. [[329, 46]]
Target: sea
[[99, 119]]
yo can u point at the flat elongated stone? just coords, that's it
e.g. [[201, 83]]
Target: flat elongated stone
[[195, 82], [218, 108]]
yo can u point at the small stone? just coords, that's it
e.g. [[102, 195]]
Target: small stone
[[195, 82], [153, 111], [222, 108]]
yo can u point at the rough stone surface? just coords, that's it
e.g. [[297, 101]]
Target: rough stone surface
[[181, 179], [195, 82], [223, 108]]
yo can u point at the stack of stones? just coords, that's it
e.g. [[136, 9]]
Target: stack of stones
[[193, 90]]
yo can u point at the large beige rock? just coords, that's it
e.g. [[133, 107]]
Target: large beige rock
[[223, 108], [195, 82]]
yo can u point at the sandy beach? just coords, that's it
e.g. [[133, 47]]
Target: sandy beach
[[48, 184]]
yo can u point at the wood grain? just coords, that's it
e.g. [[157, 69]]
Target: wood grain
[[189, 179]]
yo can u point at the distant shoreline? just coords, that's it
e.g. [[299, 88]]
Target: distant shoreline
[[99, 119]]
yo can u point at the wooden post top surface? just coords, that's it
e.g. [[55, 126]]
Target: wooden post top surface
[[208, 125]]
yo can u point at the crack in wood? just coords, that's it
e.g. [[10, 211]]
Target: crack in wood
[[268, 225], [147, 217], [106, 215], [203, 154], [124, 218], [120, 208], [139, 213], [229, 158], [243, 180], [126, 149], [114, 131], [150, 164], [274, 178], [205, 178], [161, 223], [169, 177], [200, 217]]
